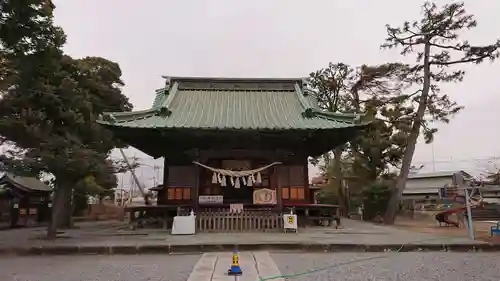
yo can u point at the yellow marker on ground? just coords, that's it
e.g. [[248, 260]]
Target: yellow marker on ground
[[235, 265]]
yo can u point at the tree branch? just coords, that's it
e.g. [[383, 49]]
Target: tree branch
[[448, 63], [456, 48]]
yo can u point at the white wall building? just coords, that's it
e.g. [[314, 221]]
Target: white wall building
[[426, 186]]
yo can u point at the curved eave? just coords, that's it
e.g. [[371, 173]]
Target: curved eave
[[156, 141], [144, 124]]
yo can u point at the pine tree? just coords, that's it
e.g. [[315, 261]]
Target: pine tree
[[435, 43]]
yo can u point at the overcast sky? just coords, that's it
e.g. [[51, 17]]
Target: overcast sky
[[278, 38]]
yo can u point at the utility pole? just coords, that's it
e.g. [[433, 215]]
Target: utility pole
[[469, 214], [134, 177], [458, 179]]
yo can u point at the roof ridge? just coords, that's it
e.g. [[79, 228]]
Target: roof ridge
[[114, 117], [303, 100], [311, 111], [159, 94], [237, 90], [231, 79], [170, 96]]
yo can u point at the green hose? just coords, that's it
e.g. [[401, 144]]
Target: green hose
[[344, 263], [319, 269]]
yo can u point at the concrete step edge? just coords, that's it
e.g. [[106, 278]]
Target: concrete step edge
[[202, 248]]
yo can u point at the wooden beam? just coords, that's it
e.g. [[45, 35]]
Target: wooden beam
[[271, 155]]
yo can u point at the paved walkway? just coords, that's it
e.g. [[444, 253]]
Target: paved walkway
[[355, 234], [214, 267]]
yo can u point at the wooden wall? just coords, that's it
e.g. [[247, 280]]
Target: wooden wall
[[180, 184], [294, 183], [186, 182]]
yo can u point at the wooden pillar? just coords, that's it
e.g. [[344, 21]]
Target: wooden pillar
[[162, 194], [278, 157], [14, 212], [279, 187], [196, 191], [307, 192]]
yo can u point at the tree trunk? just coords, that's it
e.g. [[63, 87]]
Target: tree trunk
[[52, 228], [67, 215], [57, 212], [340, 178], [393, 206]]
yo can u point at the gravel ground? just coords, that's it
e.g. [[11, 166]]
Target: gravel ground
[[393, 266], [396, 266], [98, 268]]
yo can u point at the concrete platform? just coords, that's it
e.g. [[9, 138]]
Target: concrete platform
[[355, 237]]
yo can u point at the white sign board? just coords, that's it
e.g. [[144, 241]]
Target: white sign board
[[210, 199], [184, 225], [290, 221]]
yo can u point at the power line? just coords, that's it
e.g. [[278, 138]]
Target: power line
[[464, 160]]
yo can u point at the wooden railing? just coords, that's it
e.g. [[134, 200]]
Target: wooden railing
[[223, 220]]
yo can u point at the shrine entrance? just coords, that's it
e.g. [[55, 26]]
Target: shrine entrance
[[235, 180], [242, 157], [233, 195]]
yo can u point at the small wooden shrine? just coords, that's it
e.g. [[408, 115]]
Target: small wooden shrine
[[233, 144], [23, 201]]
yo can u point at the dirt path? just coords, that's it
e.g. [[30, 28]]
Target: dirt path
[[430, 226]]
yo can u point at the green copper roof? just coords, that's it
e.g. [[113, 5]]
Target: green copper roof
[[224, 103]]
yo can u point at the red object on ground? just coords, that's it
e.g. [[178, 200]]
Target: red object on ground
[[453, 211], [443, 216]]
